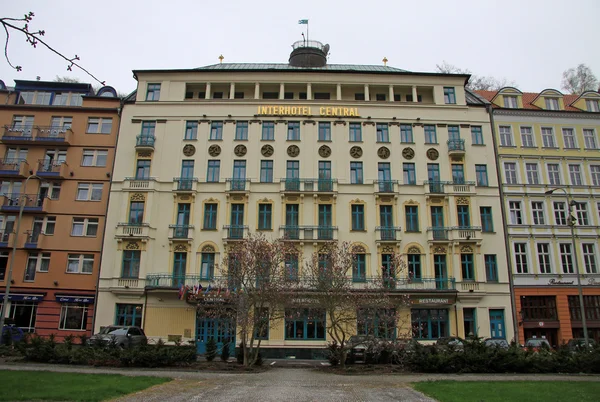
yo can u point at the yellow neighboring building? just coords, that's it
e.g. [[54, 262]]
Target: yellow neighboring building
[[390, 160], [549, 141]]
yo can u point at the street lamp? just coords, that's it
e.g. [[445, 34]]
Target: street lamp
[[22, 202], [571, 222]]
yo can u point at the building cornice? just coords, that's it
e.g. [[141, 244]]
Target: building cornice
[[545, 113]]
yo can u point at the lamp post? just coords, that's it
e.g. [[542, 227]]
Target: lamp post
[[571, 222], [22, 202]]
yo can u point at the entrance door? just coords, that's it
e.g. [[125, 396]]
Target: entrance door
[[220, 329], [497, 329], [551, 334]]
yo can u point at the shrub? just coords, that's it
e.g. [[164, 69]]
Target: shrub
[[211, 349], [225, 351], [333, 353]]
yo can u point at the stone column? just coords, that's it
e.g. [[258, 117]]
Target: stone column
[[339, 91], [391, 93], [232, 90], [207, 93], [257, 91], [281, 90], [414, 94], [367, 98], [309, 91]]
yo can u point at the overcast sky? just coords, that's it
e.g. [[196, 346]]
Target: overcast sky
[[529, 41]]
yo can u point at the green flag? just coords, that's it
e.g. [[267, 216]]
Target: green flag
[[305, 22]]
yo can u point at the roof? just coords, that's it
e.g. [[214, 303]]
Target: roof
[[474, 99], [359, 68], [529, 97], [23, 85]]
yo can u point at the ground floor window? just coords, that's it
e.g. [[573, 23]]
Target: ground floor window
[[24, 314], [73, 316], [129, 314], [429, 323], [305, 324], [470, 324], [380, 323]]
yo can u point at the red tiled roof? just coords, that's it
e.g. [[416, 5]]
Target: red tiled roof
[[529, 97]]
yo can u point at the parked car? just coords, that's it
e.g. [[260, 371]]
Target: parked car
[[577, 344], [451, 342], [360, 345], [496, 343], [537, 344], [121, 336], [15, 334]]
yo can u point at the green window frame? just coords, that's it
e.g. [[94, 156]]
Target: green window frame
[[458, 173], [487, 220], [464, 218], [359, 268], [264, 216], [410, 174], [324, 131], [356, 173], [293, 131], [414, 266], [476, 135], [470, 322], [268, 131], [210, 216], [266, 171], [430, 134], [191, 130], [383, 134], [406, 133], [213, 171], [358, 217], [481, 175], [491, 267], [129, 314], [153, 92], [467, 266], [449, 95], [355, 132], [216, 130], [380, 323], [429, 323], [241, 130], [131, 264], [305, 324], [136, 212], [412, 218], [207, 266]]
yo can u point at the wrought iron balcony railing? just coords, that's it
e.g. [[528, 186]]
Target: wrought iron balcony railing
[[236, 184], [385, 186], [181, 231], [185, 183], [388, 233], [145, 141], [456, 145]]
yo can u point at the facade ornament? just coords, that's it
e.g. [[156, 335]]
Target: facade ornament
[[137, 197], [356, 152], [462, 201], [433, 154], [408, 153], [214, 150], [132, 245], [387, 250], [240, 150], [324, 151], [181, 247], [357, 249], [208, 249], [466, 249], [267, 150], [293, 151], [189, 150], [439, 250], [414, 250], [145, 154], [383, 152]]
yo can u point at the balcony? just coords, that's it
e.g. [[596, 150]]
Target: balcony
[[434, 187], [139, 184], [296, 185], [133, 230], [53, 135], [388, 233], [6, 239], [33, 240], [185, 184], [238, 185], [325, 185], [17, 168], [407, 284], [466, 232], [171, 281], [461, 187], [145, 142], [235, 232], [456, 148], [438, 234], [51, 169], [17, 134], [386, 186], [472, 286], [33, 203], [291, 185], [309, 233], [181, 232]]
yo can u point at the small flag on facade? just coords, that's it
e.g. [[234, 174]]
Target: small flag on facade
[[303, 22]]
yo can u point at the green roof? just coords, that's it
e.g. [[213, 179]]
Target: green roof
[[358, 68]]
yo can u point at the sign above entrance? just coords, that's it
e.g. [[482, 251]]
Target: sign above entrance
[[280, 110], [431, 300]]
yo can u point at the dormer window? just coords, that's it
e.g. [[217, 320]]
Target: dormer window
[[552, 104], [510, 102], [592, 105]]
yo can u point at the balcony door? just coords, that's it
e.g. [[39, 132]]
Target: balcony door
[[179, 266], [441, 275], [291, 221], [183, 220], [325, 222], [237, 221]]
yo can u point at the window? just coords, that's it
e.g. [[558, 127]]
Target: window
[[548, 140], [569, 138], [592, 105], [406, 133], [481, 175], [43, 98], [24, 314], [359, 267], [510, 172], [356, 172], [293, 131], [595, 174], [410, 176], [476, 135], [261, 323], [73, 316], [521, 258], [487, 221], [129, 315], [589, 258], [537, 209], [266, 171], [491, 267], [543, 252], [324, 131], [89, 191], [589, 138], [191, 130], [383, 134], [264, 216], [458, 173], [291, 266], [142, 171], [514, 208], [469, 322], [379, 323], [510, 102], [536, 308], [97, 125], [527, 139], [358, 217], [582, 214], [566, 259], [268, 131], [153, 92], [36, 262], [131, 264], [380, 97], [136, 212], [241, 130], [414, 266], [216, 130], [359, 96], [464, 219], [304, 324], [207, 266], [270, 95], [26, 98], [553, 174], [43, 225], [412, 218], [532, 173], [449, 95], [84, 227], [212, 175], [552, 104], [560, 213], [80, 263], [506, 139], [453, 133], [591, 305], [355, 132], [430, 134], [575, 174], [210, 216], [94, 157], [429, 323], [3, 260]]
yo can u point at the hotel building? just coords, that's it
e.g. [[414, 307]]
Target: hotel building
[[57, 149], [391, 160]]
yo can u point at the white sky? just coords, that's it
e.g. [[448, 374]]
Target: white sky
[[529, 41]]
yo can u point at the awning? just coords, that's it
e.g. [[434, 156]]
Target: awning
[[22, 297], [75, 299]]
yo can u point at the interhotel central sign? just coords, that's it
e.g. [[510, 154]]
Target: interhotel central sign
[[308, 111]]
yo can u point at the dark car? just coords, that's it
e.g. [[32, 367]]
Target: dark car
[[451, 342], [360, 345], [537, 344], [496, 343], [120, 335], [577, 344]]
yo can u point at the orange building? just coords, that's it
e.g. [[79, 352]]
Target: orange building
[[56, 155]]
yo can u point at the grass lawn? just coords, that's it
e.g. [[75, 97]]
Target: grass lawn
[[507, 391], [49, 386]]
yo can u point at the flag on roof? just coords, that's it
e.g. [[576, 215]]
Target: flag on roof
[[305, 22]]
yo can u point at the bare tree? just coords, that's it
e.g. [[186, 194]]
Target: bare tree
[[476, 82], [64, 78], [579, 79], [34, 38]]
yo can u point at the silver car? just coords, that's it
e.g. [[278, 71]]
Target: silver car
[[119, 335]]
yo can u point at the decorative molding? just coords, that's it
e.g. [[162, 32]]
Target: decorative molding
[[134, 121], [411, 202], [304, 122], [387, 250], [293, 151], [267, 150], [366, 123], [466, 249], [439, 250], [336, 122], [208, 249], [442, 125], [325, 199], [145, 154], [383, 152], [386, 199], [465, 125], [414, 250], [238, 198], [137, 197], [324, 151], [436, 200], [433, 154], [184, 197], [394, 123], [189, 150], [180, 247], [161, 121], [408, 153], [358, 250], [462, 201], [356, 152], [132, 245], [240, 150], [214, 150]]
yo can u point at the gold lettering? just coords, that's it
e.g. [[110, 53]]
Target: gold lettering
[[356, 111], [352, 112], [270, 109], [276, 110], [322, 111], [294, 110], [309, 112], [327, 111], [258, 111], [345, 111], [262, 110], [288, 110], [305, 111]]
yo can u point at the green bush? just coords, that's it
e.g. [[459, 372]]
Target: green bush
[[225, 351], [211, 349]]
